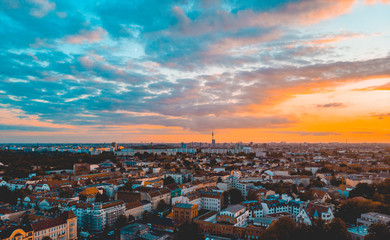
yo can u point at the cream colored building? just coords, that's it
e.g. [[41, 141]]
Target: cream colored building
[[63, 227]]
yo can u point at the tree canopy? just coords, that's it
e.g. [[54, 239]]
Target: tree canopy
[[286, 229], [168, 180], [378, 232], [235, 196]]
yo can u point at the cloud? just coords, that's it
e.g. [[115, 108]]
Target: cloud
[[86, 61], [192, 36], [377, 1], [381, 115], [87, 36], [295, 13], [98, 87], [362, 132], [331, 105], [384, 87], [335, 38], [180, 64], [27, 128], [234, 45], [303, 133], [42, 7]]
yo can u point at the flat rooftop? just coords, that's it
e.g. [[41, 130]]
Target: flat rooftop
[[183, 205], [207, 216], [359, 230], [234, 208], [377, 215]]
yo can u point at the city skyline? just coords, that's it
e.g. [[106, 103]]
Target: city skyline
[[162, 71]]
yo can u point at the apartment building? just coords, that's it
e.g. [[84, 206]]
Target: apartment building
[[185, 212], [236, 215], [95, 217], [137, 208], [63, 227], [180, 178], [369, 218], [271, 206], [156, 196], [255, 209], [209, 225], [211, 200], [360, 231]]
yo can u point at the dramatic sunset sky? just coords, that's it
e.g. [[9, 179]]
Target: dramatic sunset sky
[[170, 71]]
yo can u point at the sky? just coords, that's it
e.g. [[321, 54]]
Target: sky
[[173, 71]]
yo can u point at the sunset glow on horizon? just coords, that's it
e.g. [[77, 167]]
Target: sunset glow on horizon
[[171, 71]]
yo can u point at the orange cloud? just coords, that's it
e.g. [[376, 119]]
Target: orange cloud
[[87, 36], [304, 12], [334, 38], [299, 13], [384, 87], [377, 1], [17, 117], [229, 44]]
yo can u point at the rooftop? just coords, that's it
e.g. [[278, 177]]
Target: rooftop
[[235, 208], [133, 228], [359, 230], [183, 205], [377, 216]]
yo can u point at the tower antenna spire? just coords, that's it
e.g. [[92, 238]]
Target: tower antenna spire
[[212, 138]]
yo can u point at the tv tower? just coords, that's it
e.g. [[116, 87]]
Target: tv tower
[[212, 138]]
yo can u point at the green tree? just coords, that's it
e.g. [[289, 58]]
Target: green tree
[[121, 221], [168, 180], [378, 232], [226, 198], [131, 218], [306, 195], [188, 231], [128, 186], [57, 176], [252, 195], [161, 206], [335, 182], [337, 230], [284, 229], [65, 194], [82, 197], [213, 162], [235, 196], [351, 209], [102, 197], [364, 190], [25, 219]]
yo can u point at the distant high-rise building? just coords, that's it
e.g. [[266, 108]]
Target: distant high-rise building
[[239, 146], [114, 145], [183, 145]]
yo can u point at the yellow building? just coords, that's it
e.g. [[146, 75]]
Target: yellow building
[[154, 183], [17, 232]]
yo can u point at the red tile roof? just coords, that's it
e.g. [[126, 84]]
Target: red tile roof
[[53, 222]]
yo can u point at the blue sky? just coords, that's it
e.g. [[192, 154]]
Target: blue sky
[[133, 71]]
